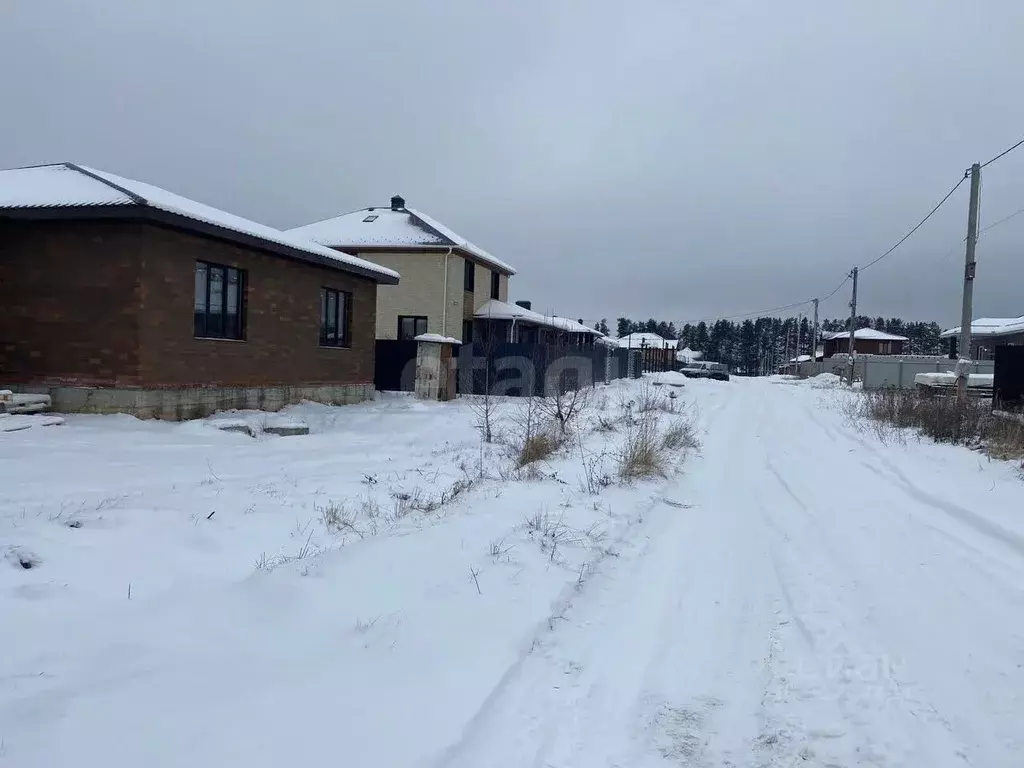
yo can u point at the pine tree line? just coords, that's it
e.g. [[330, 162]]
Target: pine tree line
[[758, 346]]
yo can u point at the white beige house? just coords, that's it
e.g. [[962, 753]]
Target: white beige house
[[445, 278]]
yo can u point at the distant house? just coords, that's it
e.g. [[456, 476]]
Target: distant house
[[647, 340], [446, 278], [120, 296], [989, 332], [687, 355], [867, 341], [518, 323]]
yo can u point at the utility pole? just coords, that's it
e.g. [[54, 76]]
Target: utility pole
[[814, 337], [785, 359], [853, 325], [799, 340], [963, 364]]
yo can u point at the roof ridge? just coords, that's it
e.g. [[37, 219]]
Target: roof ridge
[[432, 229], [136, 198], [336, 216], [36, 165]]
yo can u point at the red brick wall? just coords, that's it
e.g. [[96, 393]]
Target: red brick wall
[[863, 347], [68, 302], [111, 303], [282, 343]]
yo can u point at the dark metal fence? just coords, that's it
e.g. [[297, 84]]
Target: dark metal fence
[[1008, 382], [518, 370], [512, 369], [394, 366]]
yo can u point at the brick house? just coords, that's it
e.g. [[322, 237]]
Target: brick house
[[987, 333], [866, 341], [445, 278], [119, 296]]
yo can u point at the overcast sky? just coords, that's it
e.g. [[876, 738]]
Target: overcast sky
[[681, 159]]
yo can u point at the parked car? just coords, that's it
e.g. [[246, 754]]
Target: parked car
[[706, 370]]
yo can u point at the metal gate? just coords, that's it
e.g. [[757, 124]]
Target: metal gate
[[1008, 382], [394, 367]]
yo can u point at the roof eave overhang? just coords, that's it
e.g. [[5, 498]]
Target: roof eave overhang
[[179, 221], [355, 250]]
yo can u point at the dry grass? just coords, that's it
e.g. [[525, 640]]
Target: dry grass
[[942, 417], [538, 447], [642, 452], [681, 434]]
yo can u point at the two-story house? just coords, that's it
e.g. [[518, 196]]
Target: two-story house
[[445, 278]]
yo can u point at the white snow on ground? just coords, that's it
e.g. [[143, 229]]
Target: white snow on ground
[[800, 595]]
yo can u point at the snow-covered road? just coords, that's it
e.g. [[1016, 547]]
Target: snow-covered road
[[802, 595]]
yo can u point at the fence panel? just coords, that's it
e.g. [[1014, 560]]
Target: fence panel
[[1008, 382], [881, 371], [517, 370], [394, 367]]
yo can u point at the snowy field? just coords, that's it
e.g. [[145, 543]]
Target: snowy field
[[385, 591]]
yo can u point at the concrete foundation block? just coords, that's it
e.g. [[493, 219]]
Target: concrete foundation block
[[196, 402]]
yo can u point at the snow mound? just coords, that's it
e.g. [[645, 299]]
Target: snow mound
[[826, 381], [10, 422]]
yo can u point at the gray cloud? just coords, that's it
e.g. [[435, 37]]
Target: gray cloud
[[672, 159]]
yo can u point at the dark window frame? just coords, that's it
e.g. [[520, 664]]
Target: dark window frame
[[218, 325], [495, 285], [467, 331], [415, 323], [336, 314], [469, 276]]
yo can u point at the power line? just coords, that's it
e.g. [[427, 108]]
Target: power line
[[747, 314], [1001, 221], [931, 213], [836, 289], [1003, 153]]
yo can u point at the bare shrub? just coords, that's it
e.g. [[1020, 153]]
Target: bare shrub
[[565, 407], [485, 409], [595, 478], [533, 436]]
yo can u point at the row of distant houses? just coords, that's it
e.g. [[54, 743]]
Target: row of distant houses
[[116, 295]]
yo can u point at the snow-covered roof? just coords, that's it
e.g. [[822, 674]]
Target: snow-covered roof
[[865, 333], [687, 355], [386, 227], [67, 185], [949, 379], [437, 338], [493, 309], [990, 326], [647, 339]]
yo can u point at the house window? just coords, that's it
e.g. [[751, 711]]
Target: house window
[[411, 326], [467, 331], [495, 285], [219, 302], [335, 318], [469, 276], [371, 218]]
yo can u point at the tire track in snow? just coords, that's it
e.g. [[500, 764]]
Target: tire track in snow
[[858, 624]]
